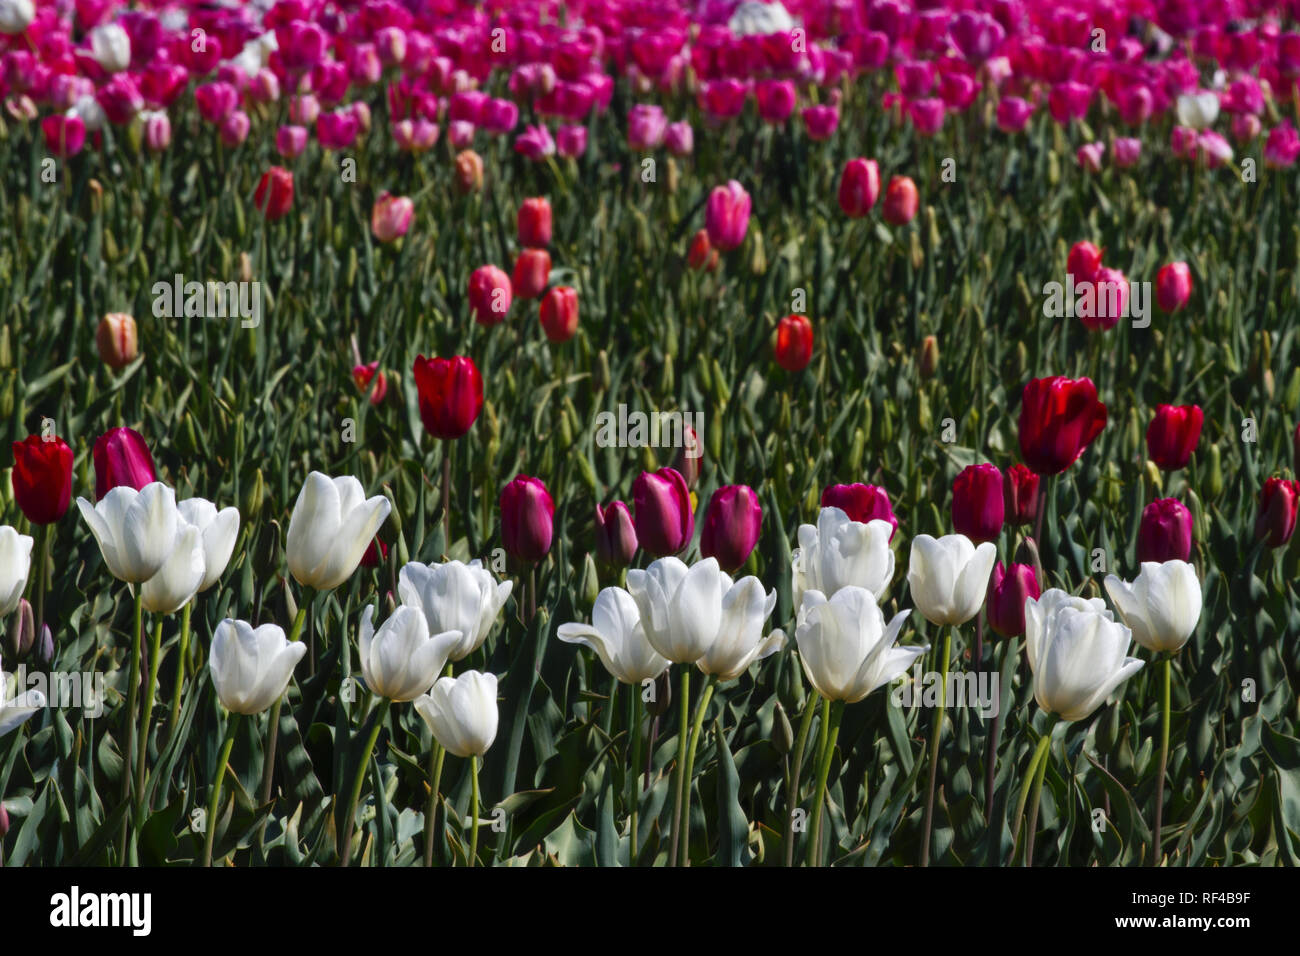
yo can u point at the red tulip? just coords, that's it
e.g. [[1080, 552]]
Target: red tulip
[[1277, 511], [532, 273], [731, 526], [489, 295], [534, 222], [977, 505], [376, 553], [901, 201], [701, 254], [1009, 589], [559, 313], [1165, 532], [365, 375], [794, 343], [1173, 286], [859, 187], [274, 194], [451, 394], [527, 518], [1059, 418], [1083, 262], [861, 503], [1173, 434], [1019, 495], [616, 542], [663, 517], [121, 458], [42, 478]]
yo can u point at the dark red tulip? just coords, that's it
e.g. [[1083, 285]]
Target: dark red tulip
[[663, 516], [274, 194], [1277, 511], [616, 542], [559, 313], [42, 478], [376, 553], [122, 458], [451, 394], [731, 526], [1173, 434], [532, 273], [794, 343], [1165, 532], [861, 503], [1009, 589], [1019, 495], [534, 223], [977, 505], [527, 518], [701, 254], [1059, 418]]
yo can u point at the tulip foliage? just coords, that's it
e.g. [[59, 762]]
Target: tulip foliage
[[887, 563]]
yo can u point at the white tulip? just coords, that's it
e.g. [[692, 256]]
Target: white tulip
[[136, 530], [1077, 653], [16, 16], [402, 660], [617, 637], [948, 577], [332, 524], [1198, 110], [455, 597], [92, 114], [846, 648], [16, 708], [179, 578], [219, 529], [462, 712], [1161, 606], [15, 566], [251, 667], [740, 640], [111, 47], [756, 18], [840, 552]]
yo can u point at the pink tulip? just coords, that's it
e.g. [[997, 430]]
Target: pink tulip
[[680, 138], [571, 141], [775, 99], [1013, 114], [927, 115], [290, 141], [337, 130], [1090, 156], [1126, 151], [726, 216], [391, 216], [821, 122], [234, 129], [646, 126]]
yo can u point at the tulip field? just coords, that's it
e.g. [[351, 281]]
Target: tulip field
[[624, 433]]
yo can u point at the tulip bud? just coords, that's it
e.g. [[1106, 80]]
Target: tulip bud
[[489, 295], [1214, 480], [977, 502], [532, 272], [687, 459], [469, 171], [22, 629], [928, 359], [1008, 590], [901, 201], [1173, 286], [559, 313], [254, 495], [1083, 262], [527, 519], [701, 254], [534, 222], [1020, 495], [731, 526], [794, 343], [1277, 511], [116, 339], [121, 458], [1165, 532], [664, 519], [782, 732], [1027, 553], [616, 542]]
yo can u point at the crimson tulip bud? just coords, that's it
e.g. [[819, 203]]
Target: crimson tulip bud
[[117, 340], [1173, 434], [615, 535], [977, 506], [859, 187], [861, 503], [794, 343], [1277, 511], [701, 254], [532, 273], [1084, 261], [1009, 589], [1173, 286], [1019, 495], [1059, 418], [274, 194], [489, 295], [469, 171], [559, 313], [1165, 532], [122, 458], [527, 518], [42, 478], [731, 526], [663, 517], [687, 460], [368, 378], [451, 394], [534, 221], [901, 201], [376, 553]]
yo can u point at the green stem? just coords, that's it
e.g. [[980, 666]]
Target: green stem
[[1034, 798], [935, 733], [142, 745], [381, 712], [184, 649], [684, 718], [273, 728], [700, 709], [47, 532], [473, 810], [1164, 759], [832, 713], [633, 771], [792, 796], [132, 681], [1039, 752], [436, 758], [214, 800]]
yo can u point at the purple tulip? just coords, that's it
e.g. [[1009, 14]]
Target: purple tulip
[[731, 526]]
